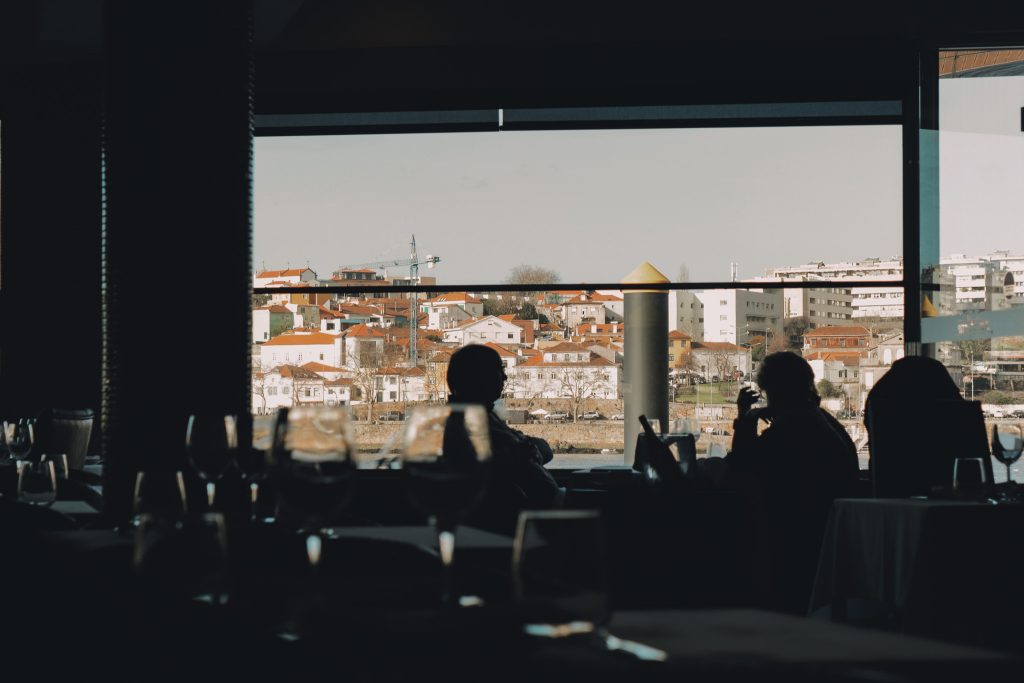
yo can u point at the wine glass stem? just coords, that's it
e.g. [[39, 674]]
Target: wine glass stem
[[1009, 477], [254, 498], [446, 546], [211, 493]]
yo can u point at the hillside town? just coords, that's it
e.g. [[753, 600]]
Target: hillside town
[[566, 347]]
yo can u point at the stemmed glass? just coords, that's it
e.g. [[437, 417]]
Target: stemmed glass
[[20, 437], [252, 461], [1007, 445], [160, 495], [211, 442], [315, 466], [445, 459]]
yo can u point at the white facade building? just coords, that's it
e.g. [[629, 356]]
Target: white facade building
[[283, 278], [563, 371], [270, 321], [686, 314], [737, 315], [482, 330], [881, 302], [297, 348], [978, 284]]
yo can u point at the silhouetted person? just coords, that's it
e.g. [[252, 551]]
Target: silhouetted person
[[912, 392], [476, 375], [790, 474]]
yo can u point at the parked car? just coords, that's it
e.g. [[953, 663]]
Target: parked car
[[617, 416], [391, 416], [591, 415], [557, 417]]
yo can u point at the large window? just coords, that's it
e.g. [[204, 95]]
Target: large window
[[975, 315], [768, 232]]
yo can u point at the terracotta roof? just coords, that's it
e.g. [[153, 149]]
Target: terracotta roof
[[295, 372], [401, 372], [274, 308], [676, 334], [717, 346], [595, 297], [340, 382], [321, 367], [839, 331], [550, 327], [501, 350], [847, 357], [453, 297], [362, 330], [566, 347], [290, 272], [293, 339]]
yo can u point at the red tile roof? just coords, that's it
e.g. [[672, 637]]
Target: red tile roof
[[502, 351], [565, 347], [321, 367], [839, 331], [676, 334], [340, 382], [293, 339], [717, 346], [538, 361], [362, 330], [274, 308], [290, 272], [295, 372]]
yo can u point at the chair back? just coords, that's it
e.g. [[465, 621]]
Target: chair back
[[62, 430], [913, 444]]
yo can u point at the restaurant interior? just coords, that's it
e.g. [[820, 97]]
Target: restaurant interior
[[127, 133]]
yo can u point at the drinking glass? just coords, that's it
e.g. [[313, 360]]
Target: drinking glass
[[1007, 445], [20, 437], [559, 570], [252, 461], [211, 442], [60, 464], [315, 467], [969, 477], [189, 555], [446, 453], [37, 482], [160, 494]]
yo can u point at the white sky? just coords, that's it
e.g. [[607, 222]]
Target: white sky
[[593, 204]]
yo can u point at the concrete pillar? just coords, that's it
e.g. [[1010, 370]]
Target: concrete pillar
[[645, 372]]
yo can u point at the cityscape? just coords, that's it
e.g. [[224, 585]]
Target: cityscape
[[563, 350]]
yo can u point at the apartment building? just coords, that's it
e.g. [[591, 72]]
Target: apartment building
[[737, 315]]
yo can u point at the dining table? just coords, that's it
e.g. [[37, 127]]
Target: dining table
[[938, 567]]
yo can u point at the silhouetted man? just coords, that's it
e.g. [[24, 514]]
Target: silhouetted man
[[476, 375], [790, 474]]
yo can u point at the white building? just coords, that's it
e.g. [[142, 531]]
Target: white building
[[482, 330], [270, 321], [686, 314], [737, 315], [285, 386], [298, 347], [363, 344], [444, 316], [473, 306], [565, 370], [880, 302], [284, 278], [394, 385], [1014, 265], [592, 307], [978, 284]]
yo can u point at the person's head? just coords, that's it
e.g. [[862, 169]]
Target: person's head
[[787, 380], [913, 377], [476, 375]]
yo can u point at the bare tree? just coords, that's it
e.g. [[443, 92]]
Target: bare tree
[[578, 385], [365, 369], [259, 390], [524, 274]]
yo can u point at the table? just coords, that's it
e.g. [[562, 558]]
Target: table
[[946, 568]]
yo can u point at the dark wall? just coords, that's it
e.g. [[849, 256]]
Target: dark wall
[[50, 341]]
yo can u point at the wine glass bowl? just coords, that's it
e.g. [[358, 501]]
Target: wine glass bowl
[[211, 443], [20, 437], [1007, 446], [446, 453], [314, 464]]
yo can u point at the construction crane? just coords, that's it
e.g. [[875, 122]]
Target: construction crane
[[413, 262]]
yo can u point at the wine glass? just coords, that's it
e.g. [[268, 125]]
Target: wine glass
[[446, 455], [315, 467], [189, 556], [20, 438], [37, 482], [160, 495], [559, 572], [1007, 445], [252, 461], [211, 442], [968, 477], [60, 464]]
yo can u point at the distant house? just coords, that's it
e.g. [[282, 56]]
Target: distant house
[[563, 370], [300, 347], [285, 386], [508, 358], [270, 321], [338, 392], [838, 337], [363, 344], [529, 327], [284, 278], [482, 330], [400, 384], [470, 304]]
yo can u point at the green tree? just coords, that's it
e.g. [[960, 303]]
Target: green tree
[[793, 330], [827, 389]]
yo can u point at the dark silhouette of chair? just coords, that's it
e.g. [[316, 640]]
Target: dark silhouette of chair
[[62, 430], [914, 444]]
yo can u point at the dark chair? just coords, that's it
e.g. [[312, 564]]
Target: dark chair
[[63, 430], [914, 443]]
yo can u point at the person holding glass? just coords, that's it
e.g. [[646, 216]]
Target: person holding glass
[[519, 480], [789, 474]]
